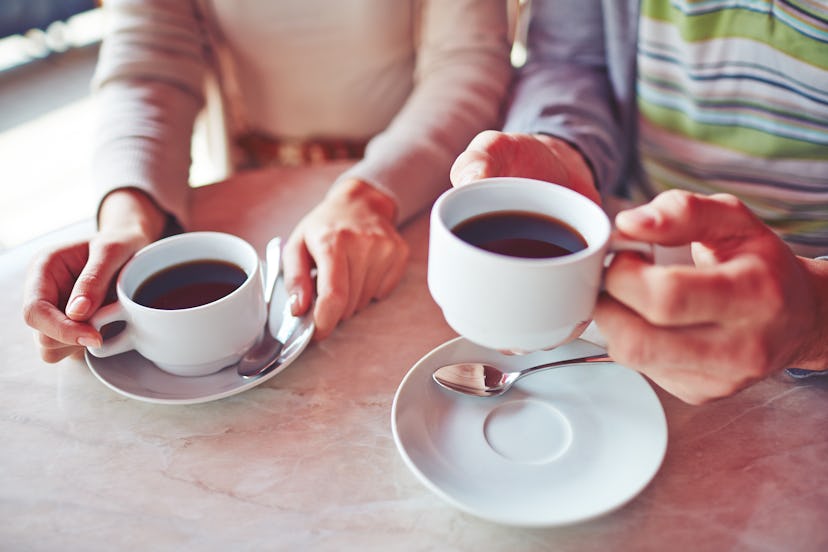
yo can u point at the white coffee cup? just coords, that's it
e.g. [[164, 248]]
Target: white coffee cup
[[192, 341], [509, 303]]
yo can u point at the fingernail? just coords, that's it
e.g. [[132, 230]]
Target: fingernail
[[78, 307], [89, 342], [470, 174], [293, 300], [640, 216]]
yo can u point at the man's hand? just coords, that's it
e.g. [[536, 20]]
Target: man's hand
[[747, 309], [536, 156]]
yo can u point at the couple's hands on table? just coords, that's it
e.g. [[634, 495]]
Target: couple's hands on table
[[351, 240], [66, 285], [747, 309]]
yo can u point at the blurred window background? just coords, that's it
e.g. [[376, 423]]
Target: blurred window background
[[48, 50]]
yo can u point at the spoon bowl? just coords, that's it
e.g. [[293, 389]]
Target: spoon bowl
[[293, 331], [484, 380], [294, 334]]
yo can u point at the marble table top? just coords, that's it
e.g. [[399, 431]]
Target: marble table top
[[306, 461]]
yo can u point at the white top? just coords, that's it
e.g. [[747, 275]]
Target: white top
[[419, 77]]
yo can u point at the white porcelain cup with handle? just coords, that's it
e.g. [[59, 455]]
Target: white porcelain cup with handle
[[511, 303], [194, 341]]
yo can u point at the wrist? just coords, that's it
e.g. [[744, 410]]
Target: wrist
[[132, 211], [356, 191]]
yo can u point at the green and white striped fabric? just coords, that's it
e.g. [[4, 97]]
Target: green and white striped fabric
[[733, 97]]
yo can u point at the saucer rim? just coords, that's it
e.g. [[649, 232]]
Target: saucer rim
[[506, 520], [275, 309], [245, 385]]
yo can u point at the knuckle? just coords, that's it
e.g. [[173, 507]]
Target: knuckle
[[677, 196], [487, 138], [33, 312], [346, 234], [332, 238], [760, 283], [667, 301], [335, 298], [110, 249], [401, 248], [381, 251], [321, 238], [730, 200], [682, 201], [375, 237], [392, 248], [90, 281], [66, 332], [737, 206]]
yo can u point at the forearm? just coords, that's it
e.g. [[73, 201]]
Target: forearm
[[564, 89], [148, 83], [462, 75], [143, 142]]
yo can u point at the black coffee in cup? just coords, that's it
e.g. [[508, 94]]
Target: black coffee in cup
[[190, 284], [520, 234]]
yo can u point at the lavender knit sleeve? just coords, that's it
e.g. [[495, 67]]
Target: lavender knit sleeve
[[149, 85], [462, 75]]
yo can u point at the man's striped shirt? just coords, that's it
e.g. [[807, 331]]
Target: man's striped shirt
[[733, 97]]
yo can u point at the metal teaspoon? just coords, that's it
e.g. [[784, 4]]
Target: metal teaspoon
[[268, 347], [484, 380], [293, 334]]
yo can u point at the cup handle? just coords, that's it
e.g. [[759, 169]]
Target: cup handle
[[117, 344], [619, 244]]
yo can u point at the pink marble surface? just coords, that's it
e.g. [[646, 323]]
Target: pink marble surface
[[306, 461]]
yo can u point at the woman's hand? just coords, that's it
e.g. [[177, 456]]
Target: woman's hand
[[351, 240], [67, 285], [747, 309], [537, 156]]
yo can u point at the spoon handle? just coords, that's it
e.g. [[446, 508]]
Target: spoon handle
[[273, 266], [591, 359]]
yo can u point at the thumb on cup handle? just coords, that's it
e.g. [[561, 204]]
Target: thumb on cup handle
[[117, 344]]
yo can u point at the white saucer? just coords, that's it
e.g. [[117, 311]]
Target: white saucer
[[132, 375], [561, 447]]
